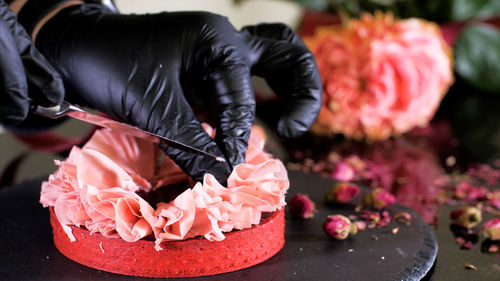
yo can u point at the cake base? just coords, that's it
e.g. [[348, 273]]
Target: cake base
[[188, 258]]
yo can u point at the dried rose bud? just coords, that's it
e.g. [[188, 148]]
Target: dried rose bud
[[301, 206], [403, 217], [343, 172], [467, 217], [339, 227], [342, 192], [491, 229], [378, 199]]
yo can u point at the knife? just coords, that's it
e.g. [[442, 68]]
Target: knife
[[67, 109]]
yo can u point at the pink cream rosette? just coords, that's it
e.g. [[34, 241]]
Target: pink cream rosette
[[381, 76], [96, 187]]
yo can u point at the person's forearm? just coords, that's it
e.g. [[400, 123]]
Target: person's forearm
[[16, 5], [50, 15], [33, 14]]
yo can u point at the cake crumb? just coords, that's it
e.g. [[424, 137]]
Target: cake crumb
[[100, 246], [350, 250], [382, 257]]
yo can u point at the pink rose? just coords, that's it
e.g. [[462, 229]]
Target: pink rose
[[381, 76]]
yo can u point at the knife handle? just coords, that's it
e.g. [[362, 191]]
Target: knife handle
[[53, 112]]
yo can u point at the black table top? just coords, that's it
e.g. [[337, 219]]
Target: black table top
[[29, 254]]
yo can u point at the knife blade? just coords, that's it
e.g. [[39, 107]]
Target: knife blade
[[73, 111]]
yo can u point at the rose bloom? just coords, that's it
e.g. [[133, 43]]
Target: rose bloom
[[381, 76]]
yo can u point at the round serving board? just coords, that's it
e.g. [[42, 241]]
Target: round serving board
[[28, 252]]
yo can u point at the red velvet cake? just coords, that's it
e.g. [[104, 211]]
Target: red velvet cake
[[188, 258], [113, 207]]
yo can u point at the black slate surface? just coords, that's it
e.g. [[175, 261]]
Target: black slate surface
[[27, 251]]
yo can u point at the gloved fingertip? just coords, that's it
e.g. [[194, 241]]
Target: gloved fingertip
[[54, 91], [13, 116], [290, 128]]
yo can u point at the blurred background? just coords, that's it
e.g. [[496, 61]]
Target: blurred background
[[464, 131]]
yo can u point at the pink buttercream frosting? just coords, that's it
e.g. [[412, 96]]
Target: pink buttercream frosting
[[96, 187]]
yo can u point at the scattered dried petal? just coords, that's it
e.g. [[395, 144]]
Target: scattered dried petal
[[342, 192], [301, 206], [371, 217], [374, 237], [358, 208], [395, 230], [493, 248], [467, 245], [361, 225], [375, 219], [353, 217], [465, 190], [403, 217], [485, 173], [470, 266], [493, 198], [460, 240]]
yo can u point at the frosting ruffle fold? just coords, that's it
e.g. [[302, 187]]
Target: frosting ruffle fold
[[96, 187]]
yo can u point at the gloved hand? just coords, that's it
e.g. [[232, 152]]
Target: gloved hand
[[149, 70], [24, 73]]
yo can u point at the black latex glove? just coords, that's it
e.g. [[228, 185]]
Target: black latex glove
[[24, 73], [149, 70]]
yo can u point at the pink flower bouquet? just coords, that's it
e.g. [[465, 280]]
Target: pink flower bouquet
[[381, 76]]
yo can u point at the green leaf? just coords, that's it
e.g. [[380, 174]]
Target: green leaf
[[477, 57], [468, 9], [320, 5], [475, 119]]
